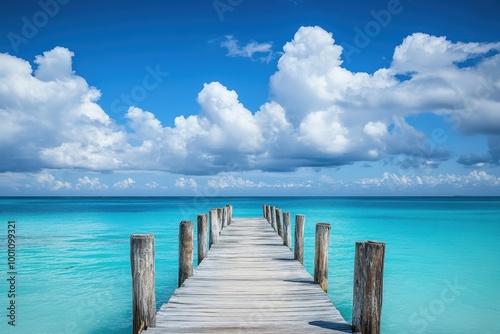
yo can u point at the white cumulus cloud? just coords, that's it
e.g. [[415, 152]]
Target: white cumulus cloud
[[90, 183], [124, 184], [154, 185], [474, 178], [319, 113], [48, 180], [188, 183]]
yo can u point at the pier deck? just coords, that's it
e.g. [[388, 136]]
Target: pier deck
[[249, 283]]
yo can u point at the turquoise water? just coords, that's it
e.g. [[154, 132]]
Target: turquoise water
[[442, 268]]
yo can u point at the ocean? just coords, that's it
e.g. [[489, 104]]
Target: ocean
[[72, 262]]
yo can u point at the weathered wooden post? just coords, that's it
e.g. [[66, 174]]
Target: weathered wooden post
[[229, 214], [287, 238], [219, 219], [321, 255], [299, 238], [279, 222], [224, 217], [264, 210], [269, 214], [214, 227], [202, 237], [186, 236], [368, 286], [142, 260], [273, 217]]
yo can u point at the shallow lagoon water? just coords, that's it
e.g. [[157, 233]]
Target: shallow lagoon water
[[72, 258]]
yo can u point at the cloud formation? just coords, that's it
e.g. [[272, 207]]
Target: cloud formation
[[253, 50], [124, 184], [319, 114], [492, 157], [188, 183], [47, 180], [391, 180], [90, 183]]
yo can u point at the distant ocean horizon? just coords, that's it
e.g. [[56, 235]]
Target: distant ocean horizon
[[73, 271]]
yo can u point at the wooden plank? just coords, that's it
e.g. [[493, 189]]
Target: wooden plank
[[249, 282]]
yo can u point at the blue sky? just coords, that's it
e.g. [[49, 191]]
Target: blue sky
[[240, 97]]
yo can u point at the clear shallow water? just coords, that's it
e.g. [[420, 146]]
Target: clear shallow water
[[442, 269]]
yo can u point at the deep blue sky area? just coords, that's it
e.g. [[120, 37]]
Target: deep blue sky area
[[409, 105]]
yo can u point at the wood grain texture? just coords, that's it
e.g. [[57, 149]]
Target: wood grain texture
[[249, 283], [273, 217], [287, 237], [142, 261], [299, 238], [219, 219], [279, 222], [229, 213], [186, 249], [269, 215], [368, 286], [214, 227], [321, 255], [202, 223], [224, 217]]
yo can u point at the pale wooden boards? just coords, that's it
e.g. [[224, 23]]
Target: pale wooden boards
[[249, 283]]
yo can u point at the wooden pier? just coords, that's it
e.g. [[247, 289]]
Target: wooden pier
[[249, 282]]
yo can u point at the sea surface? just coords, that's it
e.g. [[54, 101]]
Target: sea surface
[[442, 265]]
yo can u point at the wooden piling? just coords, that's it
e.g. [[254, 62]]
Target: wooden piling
[[269, 214], [219, 219], [287, 238], [299, 238], [264, 210], [142, 260], [214, 227], [273, 217], [229, 214], [368, 286], [186, 236], [202, 223], [224, 217], [321, 255], [279, 222]]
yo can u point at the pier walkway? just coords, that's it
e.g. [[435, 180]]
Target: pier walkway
[[249, 283]]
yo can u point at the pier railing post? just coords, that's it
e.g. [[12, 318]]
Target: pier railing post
[[299, 238], [202, 223], [279, 222], [368, 286], [142, 260], [321, 255], [219, 219], [214, 227], [264, 210], [224, 217], [269, 215], [186, 235], [229, 214], [273, 217], [287, 238]]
